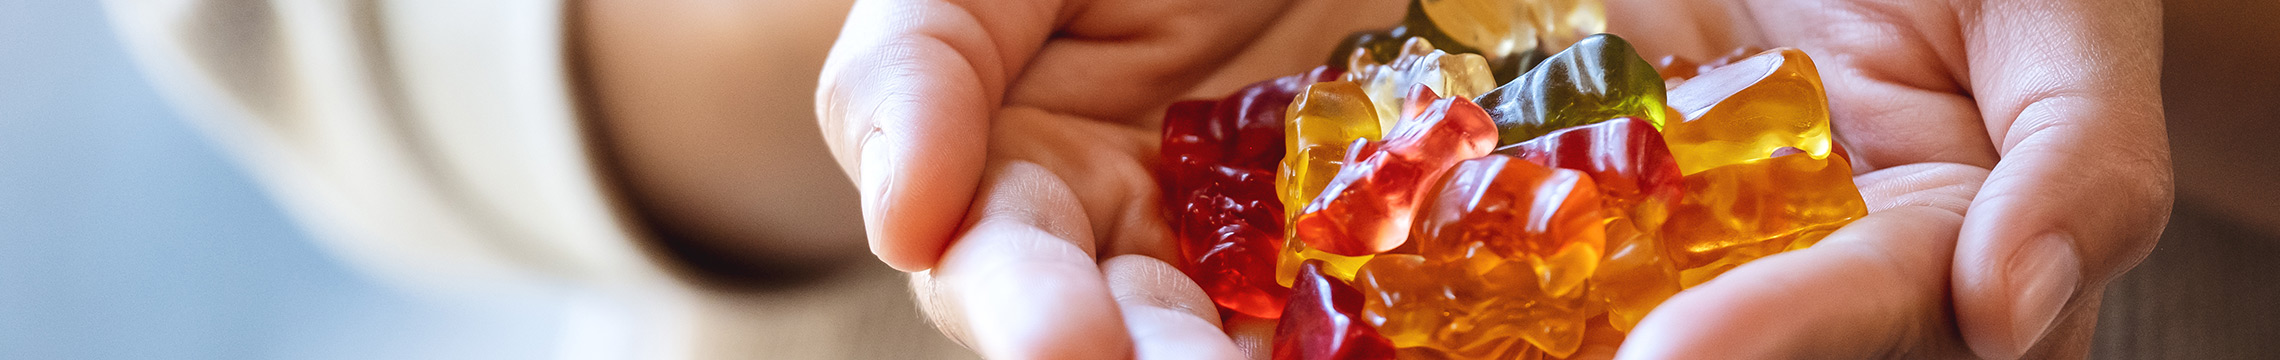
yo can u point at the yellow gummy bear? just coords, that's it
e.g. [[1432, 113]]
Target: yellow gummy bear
[[1388, 84], [1321, 123], [1748, 110]]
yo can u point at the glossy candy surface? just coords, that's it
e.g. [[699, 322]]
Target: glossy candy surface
[[1509, 34], [1499, 208], [1740, 212], [1503, 247], [1217, 179], [1389, 83], [1419, 303], [1367, 208], [1749, 109], [1605, 194], [1641, 183], [1324, 322], [1323, 122], [1599, 78]]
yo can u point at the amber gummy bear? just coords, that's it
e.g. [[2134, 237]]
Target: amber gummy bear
[[1756, 145], [1217, 175], [1435, 310], [1486, 251], [1736, 213], [1366, 209], [1627, 159], [1551, 219], [1324, 322]]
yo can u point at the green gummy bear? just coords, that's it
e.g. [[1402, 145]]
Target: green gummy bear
[[1599, 78]]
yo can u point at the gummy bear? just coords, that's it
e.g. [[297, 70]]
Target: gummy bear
[[1502, 249], [1749, 109], [1735, 213], [1366, 209], [1627, 159], [1551, 219], [1422, 304], [1324, 322], [1388, 83], [1323, 122], [1599, 78], [1216, 177], [1509, 34]]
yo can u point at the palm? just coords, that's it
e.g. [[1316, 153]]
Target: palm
[[1076, 122], [1102, 156]]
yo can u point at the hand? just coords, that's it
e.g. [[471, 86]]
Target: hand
[[2048, 110], [1025, 130]]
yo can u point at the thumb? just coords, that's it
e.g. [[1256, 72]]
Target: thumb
[[904, 103], [2083, 187]]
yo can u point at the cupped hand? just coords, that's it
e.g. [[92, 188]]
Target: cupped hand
[[2013, 152], [1003, 151]]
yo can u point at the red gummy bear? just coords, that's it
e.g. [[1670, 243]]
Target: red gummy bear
[[1626, 157], [1217, 178], [1324, 321], [1367, 208]]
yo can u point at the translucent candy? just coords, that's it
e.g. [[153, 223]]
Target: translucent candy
[[1511, 35], [1324, 321], [1599, 78], [1627, 159], [1367, 208], [1389, 83], [1749, 109], [1324, 122], [1498, 208], [1217, 180], [1740, 212]]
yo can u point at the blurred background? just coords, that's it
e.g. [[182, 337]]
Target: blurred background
[[126, 235]]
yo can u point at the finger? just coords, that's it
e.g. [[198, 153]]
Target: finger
[[1869, 290], [1020, 283], [1168, 315], [2084, 185], [904, 102]]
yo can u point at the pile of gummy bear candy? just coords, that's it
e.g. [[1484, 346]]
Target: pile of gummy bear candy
[[1400, 204]]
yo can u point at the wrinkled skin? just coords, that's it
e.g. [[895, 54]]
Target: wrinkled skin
[[1001, 148]]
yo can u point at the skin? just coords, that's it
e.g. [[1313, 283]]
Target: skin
[[1001, 150]]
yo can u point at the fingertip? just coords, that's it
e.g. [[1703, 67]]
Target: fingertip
[[1027, 295], [1142, 280], [917, 190], [1162, 333], [1168, 315], [910, 222], [907, 115], [2005, 304]]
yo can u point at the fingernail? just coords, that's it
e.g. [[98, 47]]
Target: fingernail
[[2045, 275], [877, 168]]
